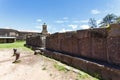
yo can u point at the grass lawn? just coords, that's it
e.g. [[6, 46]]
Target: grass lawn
[[17, 44]]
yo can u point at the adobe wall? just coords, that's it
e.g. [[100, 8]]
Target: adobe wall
[[103, 72], [85, 49], [113, 44], [34, 42], [101, 44]]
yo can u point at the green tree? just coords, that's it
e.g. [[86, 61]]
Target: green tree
[[118, 19], [108, 19], [92, 23]]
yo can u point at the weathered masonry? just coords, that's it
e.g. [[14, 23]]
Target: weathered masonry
[[39, 40], [96, 51], [20, 35], [102, 44], [7, 39]]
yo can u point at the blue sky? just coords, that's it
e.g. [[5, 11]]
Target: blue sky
[[59, 15]]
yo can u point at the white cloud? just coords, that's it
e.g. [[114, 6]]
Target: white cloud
[[73, 26], [84, 27], [98, 21], [39, 20], [95, 11], [8, 27], [38, 27], [64, 30], [30, 30], [81, 21], [61, 21], [65, 18], [84, 21]]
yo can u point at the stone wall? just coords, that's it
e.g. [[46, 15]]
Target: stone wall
[[94, 50], [20, 35], [23, 35], [102, 44], [35, 41], [101, 71], [7, 39]]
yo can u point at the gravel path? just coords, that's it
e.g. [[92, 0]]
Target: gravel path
[[33, 67]]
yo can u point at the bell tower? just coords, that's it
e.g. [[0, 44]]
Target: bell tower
[[44, 29]]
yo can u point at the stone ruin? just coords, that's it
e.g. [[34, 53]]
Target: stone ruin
[[96, 51], [36, 42]]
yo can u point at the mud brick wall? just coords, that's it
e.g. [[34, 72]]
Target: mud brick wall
[[101, 44], [53, 42], [99, 49], [113, 43], [114, 50], [100, 71], [68, 43], [85, 43], [34, 41]]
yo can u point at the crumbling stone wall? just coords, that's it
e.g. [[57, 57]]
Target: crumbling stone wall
[[35, 41], [113, 44], [101, 44], [103, 72]]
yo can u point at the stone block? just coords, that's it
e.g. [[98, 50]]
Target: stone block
[[48, 53], [85, 47], [113, 50], [66, 59], [99, 49], [114, 30], [66, 45], [94, 69], [110, 74], [56, 56], [79, 64], [75, 48], [83, 34]]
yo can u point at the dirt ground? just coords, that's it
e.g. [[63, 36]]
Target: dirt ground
[[33, 67]]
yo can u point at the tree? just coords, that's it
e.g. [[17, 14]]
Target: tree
[[118, 19], [108, 19], [92, 23]]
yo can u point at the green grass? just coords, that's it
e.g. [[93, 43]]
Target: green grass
[[60, 67], [17, 44], [82, 75]]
